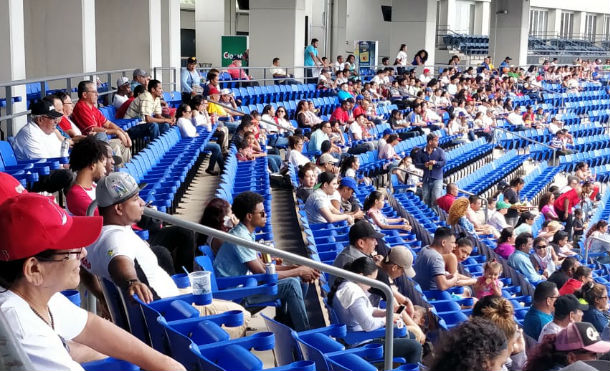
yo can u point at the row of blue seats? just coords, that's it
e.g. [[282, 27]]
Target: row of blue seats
[[465, 154], [29, 171], [537, 180], [488, 175], [278, 93], [592, 158]]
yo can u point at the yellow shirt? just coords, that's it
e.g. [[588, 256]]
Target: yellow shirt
[[215, 108]]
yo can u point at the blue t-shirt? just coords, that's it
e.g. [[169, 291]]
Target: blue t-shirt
[[316, 140], [596, 318], [343, 95], [534, 321], [428, 265], [231, 259], [308, 59]]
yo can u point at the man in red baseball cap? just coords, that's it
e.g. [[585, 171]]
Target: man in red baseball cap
[[9, 187], [40, 257]]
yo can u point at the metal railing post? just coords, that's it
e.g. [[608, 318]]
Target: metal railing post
[[293, 258]]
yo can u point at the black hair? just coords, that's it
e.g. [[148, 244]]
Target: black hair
[[441, 233], [364, 265], [11, 271], [325, 177], [526, 215], [516, 181], [152, 84], [370, 200], [138, 90], [87, 152], [275, 59], [544, 290], [325, 146], [469, 346], [473, 198], [196, 101], [558, 236], [464, 241], [245, 203], [82, 87], [521, 239], [346, 164], [181, 110], [568, 264], [505, 234], [294, 139], [267, 108], [61, 95]]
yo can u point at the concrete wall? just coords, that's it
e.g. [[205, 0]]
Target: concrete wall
[[187, 19], [365, 22], [589, 6]]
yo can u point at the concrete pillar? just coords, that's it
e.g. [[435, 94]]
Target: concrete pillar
[[481, 17], [554, 23], [209, 27], [339, 30], [128, 34], [287, 32], [59, 37], [414, 23], [509, 30], [578, 24], [599, 28], [446, 17], [170, 39], [12, 60]]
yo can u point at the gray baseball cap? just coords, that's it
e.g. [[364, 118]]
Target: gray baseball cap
[[116, 188], [140, 72]]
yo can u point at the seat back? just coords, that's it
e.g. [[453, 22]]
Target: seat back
[[285, 349], [115, 304], [158, 336]]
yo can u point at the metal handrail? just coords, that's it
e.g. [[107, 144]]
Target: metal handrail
[[588, 247], [389, 328], [530, 140]]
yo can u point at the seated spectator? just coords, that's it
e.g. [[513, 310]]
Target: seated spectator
[[238, 73], [546, 208], [506, 243], [307, 181], [524, 224], [122, 257], [559, 144], [500, 311], [567, 310], [66, 124], [520, 259], [200, 117], [515, 118], [561, 246], [541, 311], [123, 92], [461, 252], [447, 199], [140, 77], [565, 271], [430, 265], [477, 344], [351, 303], [475, 215], [342, 113], [578, 342], [318, 206], [596, 295], [217, 214], [219, 112], [373, 206], [88, 161], [457, 215], [544, 258], [280, 75], [147, 107], [39, 139], [387, 152], [235, 260], [325, 80], [35, 268], [408, 174], [295, 155], [348, 202], [120, 112], [89, 119], [344, 93], [598, 240], [318, 136], [184, 116], [497, 219], [582, 275], [489, 284]]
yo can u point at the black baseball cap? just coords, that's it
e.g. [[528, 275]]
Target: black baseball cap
[[362, 229], [191, 60], [568, 303], [44, 108]]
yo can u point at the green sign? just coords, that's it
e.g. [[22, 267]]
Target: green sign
[[234, 46]]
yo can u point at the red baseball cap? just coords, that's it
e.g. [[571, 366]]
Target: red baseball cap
[[9, 187], [31, 223]]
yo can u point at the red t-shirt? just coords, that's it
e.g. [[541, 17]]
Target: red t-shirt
[[86, 117], [339, 114], [573, 198], [77, 200], [445, 202], [358, 110], [570, 286], [65, 124]]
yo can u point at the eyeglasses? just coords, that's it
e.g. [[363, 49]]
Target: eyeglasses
[[541, 246], [189, 111], [67, 103], [67, 255]]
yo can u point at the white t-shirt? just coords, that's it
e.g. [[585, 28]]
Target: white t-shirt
[[33, 143], [118, 240], [297, 159], [39, 341], [356, 130], [549, 329], [186, 128], [118, 100], [402, 57]]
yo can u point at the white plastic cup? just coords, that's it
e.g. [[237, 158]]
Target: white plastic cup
[[200, 282]]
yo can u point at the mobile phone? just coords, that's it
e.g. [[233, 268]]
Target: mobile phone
[[400, 309]]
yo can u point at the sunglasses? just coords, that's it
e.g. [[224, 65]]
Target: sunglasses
[[541, 246]]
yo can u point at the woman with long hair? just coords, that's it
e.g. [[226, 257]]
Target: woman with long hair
[[598, 241], [372, 207], [318, 205], [596, 295], [218, 215]]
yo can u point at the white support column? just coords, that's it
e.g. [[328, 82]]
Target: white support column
[[509, 30], [59, 37], [287, 32], [128, 34], [414, 23], [446, 17], [339, 29], [599, 28], [554, 23], [170, 39], [578, 25], [12, 59], [209, 27], [481, 17]]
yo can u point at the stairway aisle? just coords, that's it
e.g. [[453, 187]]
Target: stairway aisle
[[199, 192]]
